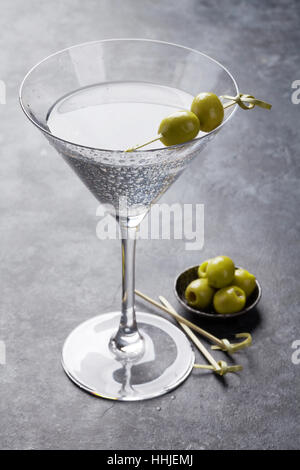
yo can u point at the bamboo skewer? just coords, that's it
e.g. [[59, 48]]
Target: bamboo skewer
[[222, 344], [224, 368], [221, 368], [181, 319], [193, 337]]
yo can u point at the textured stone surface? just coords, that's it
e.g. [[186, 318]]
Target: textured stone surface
[[54, 272]]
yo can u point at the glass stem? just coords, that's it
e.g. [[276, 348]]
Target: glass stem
[[128, 343]]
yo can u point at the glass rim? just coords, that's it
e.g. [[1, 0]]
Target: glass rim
[[160, 149]]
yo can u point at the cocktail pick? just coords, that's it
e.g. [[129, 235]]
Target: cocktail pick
[[220, 367], [224, 368], [171, 129], [214, 365], [222, 344], [245, 101], [233, 347]]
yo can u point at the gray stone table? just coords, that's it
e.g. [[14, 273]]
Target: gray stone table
[[55, 273]]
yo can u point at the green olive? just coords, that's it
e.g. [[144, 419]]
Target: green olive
[[202, 269], [220, 271], [199, 294], [178, 128], [209, 110], [244, 280], [230, 299]]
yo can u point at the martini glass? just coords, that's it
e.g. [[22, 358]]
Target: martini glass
[[92, 101]]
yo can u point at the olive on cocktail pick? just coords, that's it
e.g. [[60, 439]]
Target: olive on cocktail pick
[[176, 128], [207, 113], [209, 110]]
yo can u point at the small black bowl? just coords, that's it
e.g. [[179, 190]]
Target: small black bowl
[[187, 276]]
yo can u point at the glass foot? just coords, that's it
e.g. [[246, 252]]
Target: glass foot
[[89, 362]]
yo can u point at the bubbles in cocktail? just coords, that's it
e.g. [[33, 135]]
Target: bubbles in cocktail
[[113, 116]]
